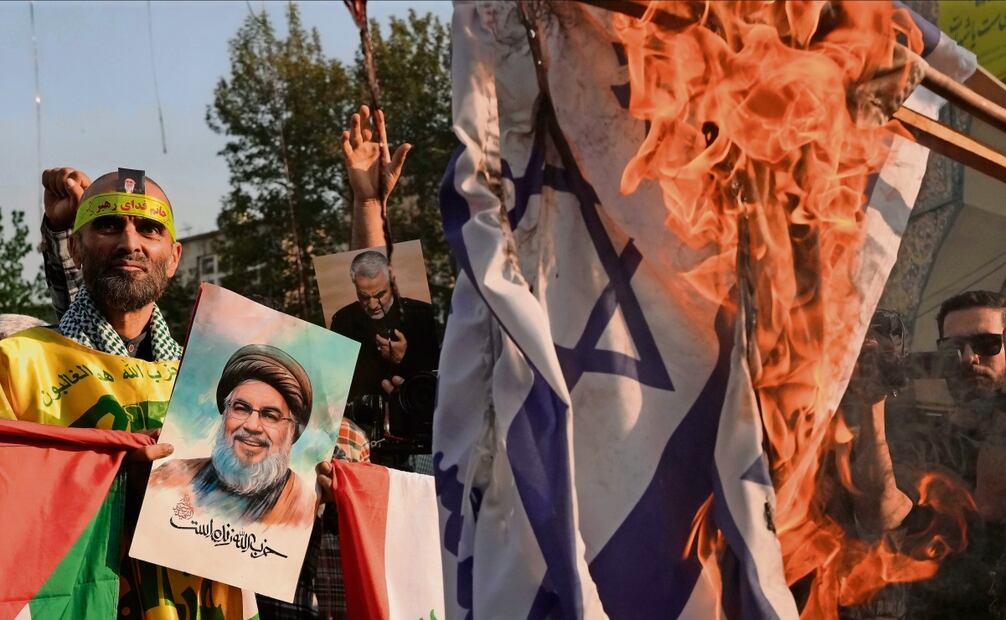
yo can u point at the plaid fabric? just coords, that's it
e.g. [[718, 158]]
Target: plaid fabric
[[62, 276], [352, 445], [83, 323], [320, 590], [331, 590]]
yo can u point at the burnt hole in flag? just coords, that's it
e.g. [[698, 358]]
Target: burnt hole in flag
[[710, 131]]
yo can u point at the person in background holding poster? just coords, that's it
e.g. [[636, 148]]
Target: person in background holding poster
[[398, 334]]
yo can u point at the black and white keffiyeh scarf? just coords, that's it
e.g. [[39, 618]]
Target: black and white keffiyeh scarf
[[84, 324]]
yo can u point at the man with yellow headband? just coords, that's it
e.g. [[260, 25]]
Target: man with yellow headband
[[111, 361]]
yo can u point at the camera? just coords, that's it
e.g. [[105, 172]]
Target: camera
[[883, 367], [399, 423]]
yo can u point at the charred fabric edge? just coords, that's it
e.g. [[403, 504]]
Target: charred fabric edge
[[931, 134]]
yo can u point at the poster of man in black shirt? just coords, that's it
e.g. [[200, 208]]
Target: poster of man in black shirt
[[398, 334]]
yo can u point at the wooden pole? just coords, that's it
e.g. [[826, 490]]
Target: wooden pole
[[988, 86], [967, 99], [956, 146]]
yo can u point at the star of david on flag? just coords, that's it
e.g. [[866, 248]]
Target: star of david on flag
[[591, 403]]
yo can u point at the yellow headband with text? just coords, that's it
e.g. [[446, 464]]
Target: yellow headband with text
[[120, 203]]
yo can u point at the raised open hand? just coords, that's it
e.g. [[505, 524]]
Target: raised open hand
[[362, 152]]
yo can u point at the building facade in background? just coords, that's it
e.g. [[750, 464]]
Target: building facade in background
[[199, 259]]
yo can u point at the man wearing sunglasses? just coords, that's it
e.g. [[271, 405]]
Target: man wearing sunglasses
[[968, 449], [973, 323]]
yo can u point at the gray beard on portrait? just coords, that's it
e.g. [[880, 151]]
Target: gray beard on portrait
[[245, 479]]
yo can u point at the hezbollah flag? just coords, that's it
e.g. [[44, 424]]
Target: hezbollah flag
[[389, 534], [61, 517], [50, 379]]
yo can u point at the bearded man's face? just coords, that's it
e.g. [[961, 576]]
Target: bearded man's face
[[978, 334], [253, 444], [126, 261]]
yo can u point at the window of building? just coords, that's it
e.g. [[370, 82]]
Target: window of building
[[207, 265]]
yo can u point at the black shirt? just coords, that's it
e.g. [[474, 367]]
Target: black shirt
[[422, 350], [140, 347]]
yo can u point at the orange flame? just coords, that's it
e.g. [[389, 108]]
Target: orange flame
[[750, 118]]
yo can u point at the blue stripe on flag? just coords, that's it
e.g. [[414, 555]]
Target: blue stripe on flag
[[536, 446], [450, 491], [450, 494], [930, 33], [455, 213], [539, 456], [643, 570], [740, 584]]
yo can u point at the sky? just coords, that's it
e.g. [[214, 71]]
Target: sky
[[99, 109]]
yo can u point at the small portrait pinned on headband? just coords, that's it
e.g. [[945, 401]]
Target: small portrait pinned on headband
[[132, 181], [257, 405]]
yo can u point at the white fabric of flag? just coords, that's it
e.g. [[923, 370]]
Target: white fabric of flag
[[589, 401]]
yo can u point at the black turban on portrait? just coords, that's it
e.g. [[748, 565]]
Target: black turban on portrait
[[261, 362]]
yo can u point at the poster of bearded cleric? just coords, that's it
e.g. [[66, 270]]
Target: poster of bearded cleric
[[257, 404]]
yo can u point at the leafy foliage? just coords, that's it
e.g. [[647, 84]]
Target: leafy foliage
[[18, 295], [283, 109], [176, 304]]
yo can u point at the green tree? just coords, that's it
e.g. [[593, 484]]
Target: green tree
[[18, 295], [283, 109], [413, 66], [177, 302]]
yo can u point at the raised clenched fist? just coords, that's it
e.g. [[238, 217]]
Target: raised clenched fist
[[63, 189]]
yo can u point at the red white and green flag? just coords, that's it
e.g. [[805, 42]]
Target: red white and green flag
[[389, 535], [61, 513]]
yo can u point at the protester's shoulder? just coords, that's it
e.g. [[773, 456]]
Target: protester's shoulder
[[32, 337]]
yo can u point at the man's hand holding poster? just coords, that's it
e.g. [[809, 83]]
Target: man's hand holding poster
[[257, 404]]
